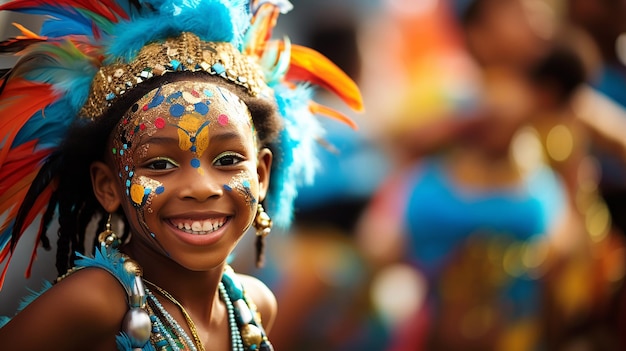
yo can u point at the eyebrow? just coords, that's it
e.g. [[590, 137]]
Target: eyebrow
[[160, 140], [172, 140], [225, 136]]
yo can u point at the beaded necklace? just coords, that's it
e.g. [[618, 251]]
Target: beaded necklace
[[161, 332], [167, 334]]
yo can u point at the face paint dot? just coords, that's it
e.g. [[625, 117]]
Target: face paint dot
[[195, 93], [246, 183], [114, 151], [137, 193], [222, 120], [121, 152], [227, 187], [195, 163], [159, 123], [142, 126], [131, 173], [128, 182], [177, 110], [157, 100], [134, 108], [192, 139], [208, 93], [193, 148], [145, 107], [201, 108], [174, 96], [159, 190]]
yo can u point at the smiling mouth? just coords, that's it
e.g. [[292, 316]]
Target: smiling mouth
[[199, 227]]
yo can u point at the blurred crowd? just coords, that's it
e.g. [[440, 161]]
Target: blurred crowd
[[481, 205]]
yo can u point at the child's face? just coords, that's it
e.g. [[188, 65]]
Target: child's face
[[190, 170]]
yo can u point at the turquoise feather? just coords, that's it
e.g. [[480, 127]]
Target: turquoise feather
[[112, 261]]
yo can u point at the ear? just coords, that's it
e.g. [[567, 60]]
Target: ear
[[264, 166], [105, 186]]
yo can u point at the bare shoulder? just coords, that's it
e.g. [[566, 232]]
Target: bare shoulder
[[262, 297], [90, 300]]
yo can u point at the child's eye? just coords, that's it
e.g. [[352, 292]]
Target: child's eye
[[228, 159], [161, 164]]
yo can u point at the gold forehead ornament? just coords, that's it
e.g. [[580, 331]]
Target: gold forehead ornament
[[183, 53]]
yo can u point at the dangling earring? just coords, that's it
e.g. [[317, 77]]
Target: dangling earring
[[263, 226], [108, 238]]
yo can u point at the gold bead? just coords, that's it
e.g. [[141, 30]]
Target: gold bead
[[251, 335], [131, 266]]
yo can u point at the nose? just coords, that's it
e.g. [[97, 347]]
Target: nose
[[200, 185]]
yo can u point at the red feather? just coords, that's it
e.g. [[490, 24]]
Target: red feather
[[21, 99], [105, 8]]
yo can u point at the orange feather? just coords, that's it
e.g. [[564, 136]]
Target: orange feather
[[310, 65], [319, 109], [263, 22]]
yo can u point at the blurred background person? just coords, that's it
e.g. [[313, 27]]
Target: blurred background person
[[603, 21], [479, 212]]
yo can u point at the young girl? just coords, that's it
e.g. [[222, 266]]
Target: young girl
[[166, 121]]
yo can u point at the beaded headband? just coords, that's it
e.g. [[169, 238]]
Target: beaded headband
[[183, 53]]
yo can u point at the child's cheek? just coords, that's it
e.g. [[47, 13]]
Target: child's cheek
[[241, 185], [143, 190]]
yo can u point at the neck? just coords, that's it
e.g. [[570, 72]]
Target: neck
[[197, 291]]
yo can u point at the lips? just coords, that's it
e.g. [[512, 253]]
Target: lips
[[199, 226]]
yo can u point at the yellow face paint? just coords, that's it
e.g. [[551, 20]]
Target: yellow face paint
[[145, 188]]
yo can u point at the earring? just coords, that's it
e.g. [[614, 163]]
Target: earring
[[108, 238], [263, 226], [262, 222]]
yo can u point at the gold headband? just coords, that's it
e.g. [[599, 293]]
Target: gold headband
[[184, 53]]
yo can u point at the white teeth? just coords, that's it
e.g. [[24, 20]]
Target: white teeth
[[196, 226], [200, 227], [206, 226]]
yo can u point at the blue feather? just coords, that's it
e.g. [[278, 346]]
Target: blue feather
[[63, 24], [48, 127], [33, 295], [5, 236], [295, 162], [112, 261], [131, 36]]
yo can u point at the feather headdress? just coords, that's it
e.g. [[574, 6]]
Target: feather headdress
[[50, 84]]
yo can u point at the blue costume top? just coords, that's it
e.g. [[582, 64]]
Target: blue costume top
[[445, 220], [440, 213]]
